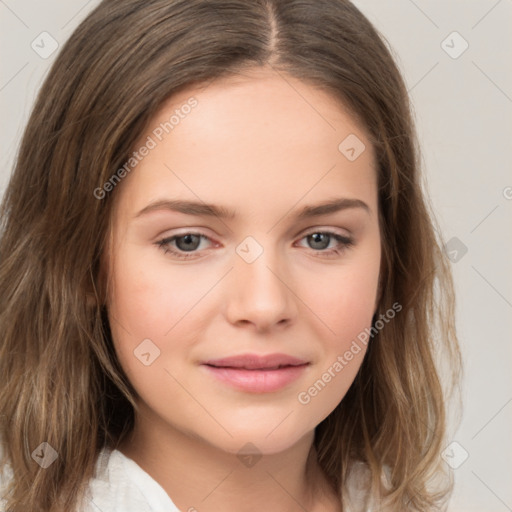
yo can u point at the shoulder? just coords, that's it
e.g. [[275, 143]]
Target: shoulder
[[118, 485], [357, 497], [5, 479], [121, 485]]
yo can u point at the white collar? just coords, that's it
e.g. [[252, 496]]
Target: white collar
[[121, 485]]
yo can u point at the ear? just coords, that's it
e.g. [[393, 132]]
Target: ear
[[377, 302], [96, 293], [382, 275], [378, 295], [92, 296], [102, 278]]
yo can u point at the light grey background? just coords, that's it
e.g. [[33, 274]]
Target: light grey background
[[463, 110]]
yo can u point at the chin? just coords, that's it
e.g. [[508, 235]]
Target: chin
[[260, 441]]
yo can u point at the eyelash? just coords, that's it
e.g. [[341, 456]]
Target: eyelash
[[344, 241]]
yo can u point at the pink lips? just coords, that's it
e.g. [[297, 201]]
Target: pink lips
[[257, 374]]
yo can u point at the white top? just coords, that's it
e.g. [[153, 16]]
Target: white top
[[121, 485]]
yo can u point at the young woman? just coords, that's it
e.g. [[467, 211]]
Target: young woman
[[222, 287]]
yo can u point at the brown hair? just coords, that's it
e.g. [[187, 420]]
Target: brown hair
[[62, 383]]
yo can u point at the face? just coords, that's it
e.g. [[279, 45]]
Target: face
[[253, 268]]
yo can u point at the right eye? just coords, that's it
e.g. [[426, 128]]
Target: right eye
[[180, 245]]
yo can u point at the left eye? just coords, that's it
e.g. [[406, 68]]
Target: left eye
[[180, 245], [320, 240], [188, 242]]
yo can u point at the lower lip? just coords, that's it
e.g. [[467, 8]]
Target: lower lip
[[257, 381]]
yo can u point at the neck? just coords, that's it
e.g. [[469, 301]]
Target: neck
[[201, 477]]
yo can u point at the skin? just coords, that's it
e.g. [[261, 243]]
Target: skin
[[265, 145]]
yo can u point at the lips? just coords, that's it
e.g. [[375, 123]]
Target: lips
[[256, 362], [252, 373]]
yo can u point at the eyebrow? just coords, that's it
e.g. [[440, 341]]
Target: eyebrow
[[211, 210]]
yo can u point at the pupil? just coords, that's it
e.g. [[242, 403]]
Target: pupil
[[317, 239], [188, 241]]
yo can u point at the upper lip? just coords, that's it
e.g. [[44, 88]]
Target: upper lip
[[256, 362]]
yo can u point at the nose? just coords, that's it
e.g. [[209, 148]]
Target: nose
[[260, 293]]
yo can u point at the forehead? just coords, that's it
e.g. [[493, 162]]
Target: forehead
[[258, 136], [264, 102]]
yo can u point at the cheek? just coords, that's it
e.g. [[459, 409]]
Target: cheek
[[149, 303], [344, 301], [344, 297], [152, 321], [151, 298]]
